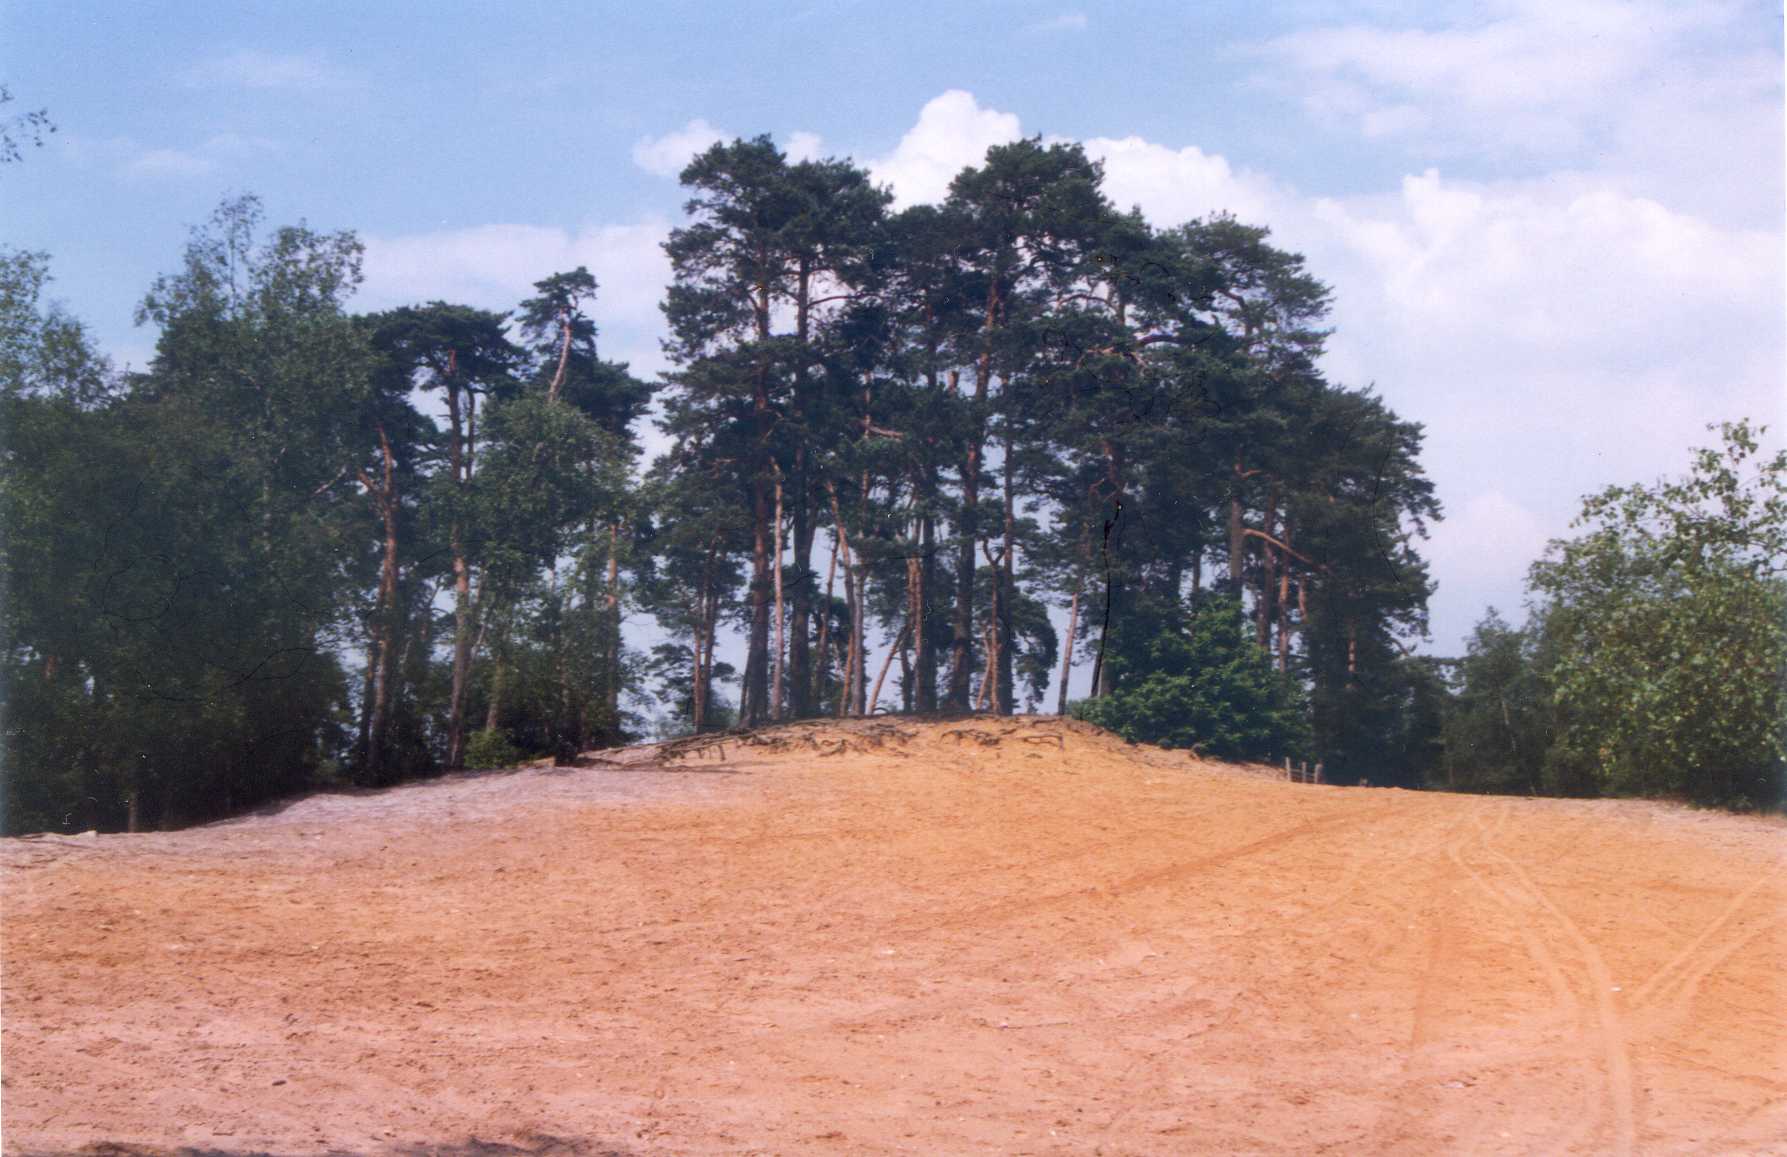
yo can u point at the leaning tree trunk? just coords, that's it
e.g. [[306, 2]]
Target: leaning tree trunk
[[1073, 623], [899, 642]]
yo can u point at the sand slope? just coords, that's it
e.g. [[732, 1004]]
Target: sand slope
[[988, 936]]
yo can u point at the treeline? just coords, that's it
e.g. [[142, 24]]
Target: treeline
[[310, 547], [304, 547]]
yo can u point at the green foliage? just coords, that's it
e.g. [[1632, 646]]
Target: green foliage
[[1199, 684], [490, 748], [307, 545], [1498, 726], [174, 562], [1665, 633]]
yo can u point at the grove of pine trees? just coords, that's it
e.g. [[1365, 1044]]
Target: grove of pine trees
[[309, 547]]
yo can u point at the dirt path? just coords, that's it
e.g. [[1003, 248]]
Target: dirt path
[[1016, 937]]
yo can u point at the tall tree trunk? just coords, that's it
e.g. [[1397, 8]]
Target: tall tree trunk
[[775, 703], [566, 740], [823, 661], [800, 609], [564, 356], [1006, 582], [995, 636], [385, 642], [1284, 624], [1113, 583], [853, 591], [460, 452], [1073, 622], [1284, 601], [1102, 682], [990, 643], [462, 652], [493, 711], [875, 696], [755, 706], [1237, 536], [848, 684], [697, 693], [799, 660], [906, 688], [133, 818], [924, 659], [756, 698], [364, 743], [704, 617], [612, 617], [1268, 577], [968, 530]]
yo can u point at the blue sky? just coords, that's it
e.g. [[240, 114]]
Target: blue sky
[[1554, 230]]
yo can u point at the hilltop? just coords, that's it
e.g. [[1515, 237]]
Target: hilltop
[[1017, 935]]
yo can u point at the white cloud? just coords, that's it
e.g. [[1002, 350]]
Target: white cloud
[[952, 133], [1554, 337], [1066, 22], [1554, 334], [1655, 93], [131, 159], [804, 147], [1541, 64], [1482, 551], [1175, 185], [176, 163], [495, 267], [240, 145], [668, 155], [249, 68]]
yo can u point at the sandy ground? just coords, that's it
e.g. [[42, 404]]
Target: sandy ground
[[987, 937]]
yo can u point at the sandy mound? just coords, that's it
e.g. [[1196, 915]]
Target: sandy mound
[[886, 936]]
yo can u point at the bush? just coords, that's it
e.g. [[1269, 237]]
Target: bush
[[490, 749], [1665, 633], [1199, 684]]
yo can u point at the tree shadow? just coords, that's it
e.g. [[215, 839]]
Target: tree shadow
[[534, 1145]]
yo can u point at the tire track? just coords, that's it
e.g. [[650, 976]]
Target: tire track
[[1001, 910], [1615, 1050], [1663, 979], [1678, 997], [1564, 1001], [1393, 1125]]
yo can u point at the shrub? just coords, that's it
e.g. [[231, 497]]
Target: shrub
[[491, 748]]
